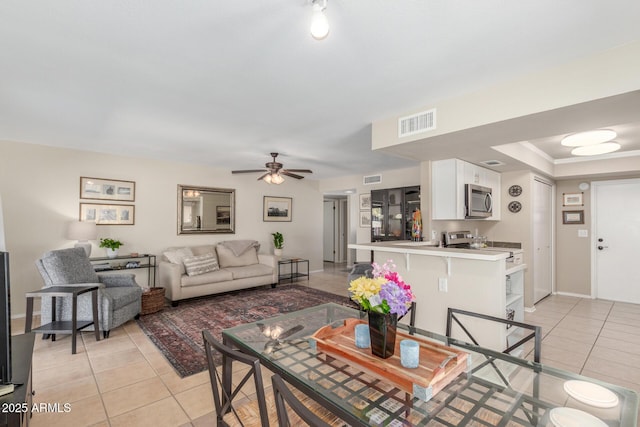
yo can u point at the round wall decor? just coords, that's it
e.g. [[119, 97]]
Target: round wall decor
[[515, 207], [515, 190]]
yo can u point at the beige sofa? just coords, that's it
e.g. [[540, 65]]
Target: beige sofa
[[194, 271]]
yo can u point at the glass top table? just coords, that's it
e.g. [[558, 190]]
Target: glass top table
[[496, 389]]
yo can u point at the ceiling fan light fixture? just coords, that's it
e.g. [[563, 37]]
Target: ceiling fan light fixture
[[276, 178], [319, 22], [594, 150], [591, 137]]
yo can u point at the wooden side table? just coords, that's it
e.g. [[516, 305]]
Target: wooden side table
[[64, 326]]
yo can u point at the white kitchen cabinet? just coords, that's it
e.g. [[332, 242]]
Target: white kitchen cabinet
[[448, 178]]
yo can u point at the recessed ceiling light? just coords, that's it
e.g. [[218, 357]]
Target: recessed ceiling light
[[591, 137], [594, 150]]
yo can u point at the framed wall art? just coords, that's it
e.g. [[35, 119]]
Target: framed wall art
[[573, 217], [572, 199], [365, 201], [107, 214], [107, 189], [276, 209], [365, 219]]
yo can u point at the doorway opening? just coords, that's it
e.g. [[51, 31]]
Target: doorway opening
[[335, 228]]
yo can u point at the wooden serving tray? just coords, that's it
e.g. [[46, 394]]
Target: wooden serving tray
[[439, 364]]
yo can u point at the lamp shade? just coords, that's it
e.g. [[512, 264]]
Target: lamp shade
[[82, 230]]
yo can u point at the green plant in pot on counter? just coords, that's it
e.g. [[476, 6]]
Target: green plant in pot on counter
[[111, 246], [278, 242]]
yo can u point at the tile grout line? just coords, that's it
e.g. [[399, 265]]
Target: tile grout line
[[596, 340]]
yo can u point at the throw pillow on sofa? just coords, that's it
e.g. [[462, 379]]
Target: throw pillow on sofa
[[227, 258], [176, 256], [200, 264]]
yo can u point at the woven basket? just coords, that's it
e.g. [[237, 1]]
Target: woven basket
[[152, 301]]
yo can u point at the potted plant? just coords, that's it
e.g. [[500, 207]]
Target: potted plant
[[278, 241], [111, 246]]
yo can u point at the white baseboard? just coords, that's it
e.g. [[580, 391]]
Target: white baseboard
[[530, 309], [571, 294]]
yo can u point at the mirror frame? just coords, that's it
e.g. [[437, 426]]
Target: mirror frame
[[232, 206]]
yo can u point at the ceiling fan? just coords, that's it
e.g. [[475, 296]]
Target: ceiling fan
[[273, 171]]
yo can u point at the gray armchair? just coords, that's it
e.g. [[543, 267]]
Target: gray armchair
[[119, 296]]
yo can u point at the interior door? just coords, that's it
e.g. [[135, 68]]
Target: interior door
[[542, 238], [616, 233], [328, 232]]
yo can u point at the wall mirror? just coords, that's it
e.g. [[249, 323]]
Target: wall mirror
[[204, 210]]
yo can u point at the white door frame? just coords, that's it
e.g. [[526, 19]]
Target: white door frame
[[594, 202]]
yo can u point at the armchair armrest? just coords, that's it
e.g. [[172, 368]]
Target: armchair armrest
[[118, 280]]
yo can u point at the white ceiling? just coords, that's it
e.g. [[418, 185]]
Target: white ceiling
[[226, 83]]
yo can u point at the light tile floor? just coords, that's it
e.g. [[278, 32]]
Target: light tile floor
[[125, 380]]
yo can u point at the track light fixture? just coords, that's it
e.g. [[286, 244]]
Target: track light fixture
[[319, 23]]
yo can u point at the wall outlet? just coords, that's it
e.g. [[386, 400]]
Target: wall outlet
[[583, 233], [442, 284], [434, 235]]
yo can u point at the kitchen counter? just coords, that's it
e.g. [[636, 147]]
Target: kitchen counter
[[427, 249], [467, 279]]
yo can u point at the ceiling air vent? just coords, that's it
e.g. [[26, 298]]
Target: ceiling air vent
[[372, 179], [417, 123], [493, 163]]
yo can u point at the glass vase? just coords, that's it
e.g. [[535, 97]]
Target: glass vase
[[382, 331]]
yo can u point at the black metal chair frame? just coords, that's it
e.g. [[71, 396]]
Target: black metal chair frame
[[223, 399], [536, 334], [283, 396]]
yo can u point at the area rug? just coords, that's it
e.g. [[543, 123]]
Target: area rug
[[177, 331]]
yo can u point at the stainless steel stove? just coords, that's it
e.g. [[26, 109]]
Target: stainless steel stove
[[457, 239]]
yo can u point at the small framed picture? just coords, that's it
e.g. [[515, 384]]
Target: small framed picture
[[365, 219], [573, 217], [572, 199], [365, 201], [276, 209], [107, 214], [107, 189]]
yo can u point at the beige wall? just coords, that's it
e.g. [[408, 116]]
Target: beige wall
[[607, 73], [40, 194], [573, 253]]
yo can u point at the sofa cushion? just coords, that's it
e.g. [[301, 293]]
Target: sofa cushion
[[200, 264], [206, 278], [226, 258], [254, 270]]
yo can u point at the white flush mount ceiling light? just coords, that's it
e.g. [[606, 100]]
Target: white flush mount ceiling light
[[594, 150], [591, 137], [319, 23]]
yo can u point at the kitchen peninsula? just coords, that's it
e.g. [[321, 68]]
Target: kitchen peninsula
[[477, 280]]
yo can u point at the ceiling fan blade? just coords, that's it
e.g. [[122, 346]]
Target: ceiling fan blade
[[299, 170], [263, 175], [248, 171], [292, 175]]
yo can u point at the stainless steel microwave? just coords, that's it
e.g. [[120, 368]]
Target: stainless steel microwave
[[478, 201]]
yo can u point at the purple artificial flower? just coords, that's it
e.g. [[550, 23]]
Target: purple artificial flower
[[396, 298]]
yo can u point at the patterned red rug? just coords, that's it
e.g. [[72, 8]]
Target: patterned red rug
[[177, 331]]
